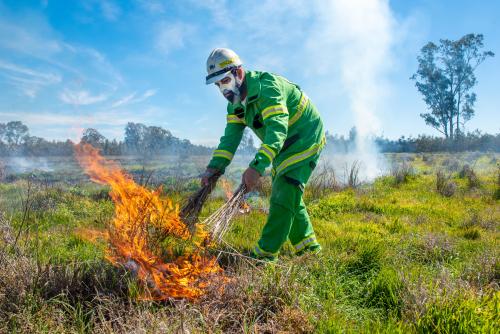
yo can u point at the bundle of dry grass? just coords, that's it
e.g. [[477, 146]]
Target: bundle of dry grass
[[218, 223], [191, 209]]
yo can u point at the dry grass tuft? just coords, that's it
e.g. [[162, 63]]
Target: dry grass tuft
[[322, 182], [444, 186], [471, 176], [402, 172]]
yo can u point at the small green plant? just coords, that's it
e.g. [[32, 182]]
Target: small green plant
[[385, 291], [472, 234]]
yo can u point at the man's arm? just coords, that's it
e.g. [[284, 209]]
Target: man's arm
[[228, 144]]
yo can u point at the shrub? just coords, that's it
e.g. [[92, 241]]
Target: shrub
[[402, 172], [451, 164], [470, 174], [444, 186]]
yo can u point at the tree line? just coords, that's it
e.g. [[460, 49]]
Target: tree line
[[470, 141], [139, 140], [149, 141]]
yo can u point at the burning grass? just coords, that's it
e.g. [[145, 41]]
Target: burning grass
[[147, 236], [395, 259]]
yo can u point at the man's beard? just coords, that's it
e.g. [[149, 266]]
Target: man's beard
[[233, 90]]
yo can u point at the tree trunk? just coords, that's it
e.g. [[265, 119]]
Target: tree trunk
[[451, 127], [458, 112]]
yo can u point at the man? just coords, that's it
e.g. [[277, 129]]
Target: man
[[292, 135]]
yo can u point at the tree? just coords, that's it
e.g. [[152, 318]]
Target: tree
[[93, 137], [134, 135], [445, 77], [15, 133]]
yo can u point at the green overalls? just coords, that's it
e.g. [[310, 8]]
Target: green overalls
[[292, 135]]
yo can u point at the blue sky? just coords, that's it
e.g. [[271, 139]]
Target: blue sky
[[68, 65]]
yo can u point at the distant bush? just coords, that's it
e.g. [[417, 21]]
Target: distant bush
[[471, 176], [402, 172], [451, 164], [444, 186]]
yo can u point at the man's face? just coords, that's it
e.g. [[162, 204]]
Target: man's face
[[229, 86]]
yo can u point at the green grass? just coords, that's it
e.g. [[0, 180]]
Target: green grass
[[397, 257]]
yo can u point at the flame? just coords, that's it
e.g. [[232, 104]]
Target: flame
[[146, 229], [92, 235], [226, 187]]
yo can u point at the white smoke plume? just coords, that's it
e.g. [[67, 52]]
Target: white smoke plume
[[342, 55], [360, 33]]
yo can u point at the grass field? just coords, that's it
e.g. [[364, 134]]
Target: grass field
[[414, 251]]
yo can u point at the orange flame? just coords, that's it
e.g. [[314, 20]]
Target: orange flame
[[226, 187], [140, 213]]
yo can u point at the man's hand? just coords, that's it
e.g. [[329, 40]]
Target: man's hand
[[208, 176], [250, 178]]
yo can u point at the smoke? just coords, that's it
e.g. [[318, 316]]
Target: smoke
[[16, 165], [360, 35], [343, 53]]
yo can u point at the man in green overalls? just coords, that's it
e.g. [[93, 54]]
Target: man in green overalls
[[292, 136]]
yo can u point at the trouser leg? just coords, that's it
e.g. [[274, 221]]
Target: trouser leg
[[285, 200], [302, 235]]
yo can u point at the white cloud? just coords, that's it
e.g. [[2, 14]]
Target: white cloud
[[80, 97], [133, 98], [27, 80], [28, 35], [173, 36]]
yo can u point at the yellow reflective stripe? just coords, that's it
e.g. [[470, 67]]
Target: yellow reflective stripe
[[267, 151], [235, 119], [223, 154], [274, 110], [304, 243], [304, 100], [260, 252], [301, 156]]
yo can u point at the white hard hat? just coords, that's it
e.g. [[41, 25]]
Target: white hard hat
[[219, 63]]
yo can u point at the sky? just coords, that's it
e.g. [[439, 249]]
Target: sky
[[69, 65]]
